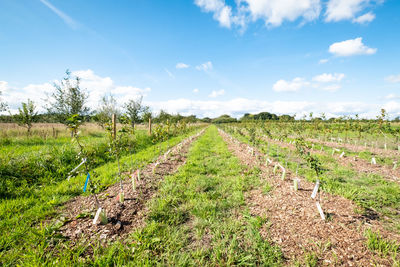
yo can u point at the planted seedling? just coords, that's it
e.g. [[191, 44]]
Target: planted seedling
[[74, 122]]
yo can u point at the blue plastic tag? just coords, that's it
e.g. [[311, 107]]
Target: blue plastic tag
[[87, 180]]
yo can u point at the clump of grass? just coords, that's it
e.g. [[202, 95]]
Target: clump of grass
[[266, 188], [378, 244]]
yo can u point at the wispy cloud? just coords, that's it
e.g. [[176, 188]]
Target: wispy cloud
[[67, 19], [215, 94], [182, 65], [205, 66], [169, 73]]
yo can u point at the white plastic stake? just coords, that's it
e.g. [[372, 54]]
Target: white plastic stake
[[296, 182], [121, 197], [321, 212], [341, 155], [315, 191], [373, 161], [385, 146], [283, 172], [96, 217], [103, 217], [275, 167], [133, 183], [80, 164]]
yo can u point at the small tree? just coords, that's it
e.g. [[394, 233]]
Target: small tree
[[68, 99], [134, 109], [107, 107], [27, 115], [146, 114], [3, 105]]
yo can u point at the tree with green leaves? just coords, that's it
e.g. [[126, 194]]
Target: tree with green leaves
[[3, 105], [27, 115], [107, 107], [134, 109], [146, 114], [68, 99]]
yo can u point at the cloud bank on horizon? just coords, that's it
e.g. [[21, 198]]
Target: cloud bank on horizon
[[97, 86]]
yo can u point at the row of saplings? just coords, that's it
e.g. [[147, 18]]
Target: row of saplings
[[304, 152], [116, 145]]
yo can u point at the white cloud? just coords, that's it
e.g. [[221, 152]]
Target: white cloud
[[222, 12], [323, 61], [205, 66], [343, 9], [3, 86], [275, 12], [366, 18], [350, 48], [95, 85], [216, 93], [392, 96], [393, 78], [182, 66], [290, 86], [332, 87], [169, 74], [67, 19], [328, 77], [195, 90]]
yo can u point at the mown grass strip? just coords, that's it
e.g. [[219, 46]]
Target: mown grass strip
[[23, 240]]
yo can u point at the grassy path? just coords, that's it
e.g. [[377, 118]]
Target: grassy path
[[200, 217]]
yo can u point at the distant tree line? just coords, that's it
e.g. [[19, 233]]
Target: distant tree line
[[69, 99]]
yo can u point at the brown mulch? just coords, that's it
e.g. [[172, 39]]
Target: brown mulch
[[295, 225], [122, 217], [357, 164], [357, 148]]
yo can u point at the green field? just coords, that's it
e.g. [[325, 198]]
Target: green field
[[201, 215]]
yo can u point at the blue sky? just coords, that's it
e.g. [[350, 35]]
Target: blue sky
[[208, 57]]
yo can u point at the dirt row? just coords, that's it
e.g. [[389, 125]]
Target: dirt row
[[122, 217], [357, 148], [355, 163], [295, 225]]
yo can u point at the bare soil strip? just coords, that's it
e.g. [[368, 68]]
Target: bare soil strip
[[357, 164], [357, 148], [122, 217], [295, 224]]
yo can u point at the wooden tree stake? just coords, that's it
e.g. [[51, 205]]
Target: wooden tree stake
[[149, 126], [114, 125]]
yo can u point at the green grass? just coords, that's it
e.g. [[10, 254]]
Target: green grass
[[199, 217], [381, 246], [22, 240]]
